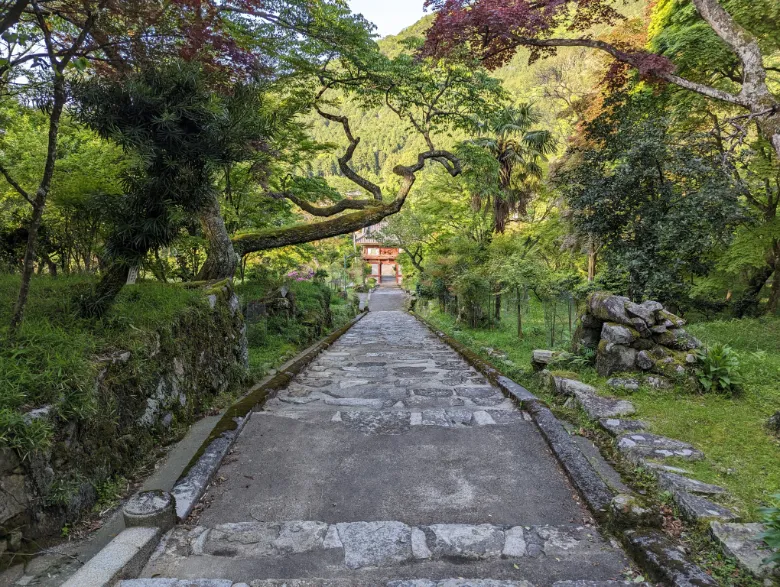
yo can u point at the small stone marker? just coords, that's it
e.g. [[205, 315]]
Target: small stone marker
[[151, 509], [540, 359]]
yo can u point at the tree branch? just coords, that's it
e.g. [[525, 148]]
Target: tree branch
[[345, 159], [633, 61], [340, 206], [14, 184], [12, 15]]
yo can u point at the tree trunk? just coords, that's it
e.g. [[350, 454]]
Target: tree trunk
[[747, 305], [111, 283], [498, 308], [222, 261], [519, 315], [774, 296], [39, 203], [592, 258]]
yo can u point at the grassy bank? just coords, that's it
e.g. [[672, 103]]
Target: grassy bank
[[740, 454], [52, 360], [284, 331]]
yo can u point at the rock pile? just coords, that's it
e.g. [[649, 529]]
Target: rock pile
[[634, 337]]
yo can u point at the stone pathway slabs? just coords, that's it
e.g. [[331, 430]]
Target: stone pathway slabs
[[390, 460]]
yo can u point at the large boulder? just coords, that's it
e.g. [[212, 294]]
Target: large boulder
[[609, 308], [618, 334], [614, 358]]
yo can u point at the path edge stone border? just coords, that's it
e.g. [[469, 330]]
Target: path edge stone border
[[197, 475], [661, 561]]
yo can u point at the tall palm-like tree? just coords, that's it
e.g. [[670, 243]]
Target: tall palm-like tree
[[520, 151]]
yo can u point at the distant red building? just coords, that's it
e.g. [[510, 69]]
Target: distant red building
[[385, 267]]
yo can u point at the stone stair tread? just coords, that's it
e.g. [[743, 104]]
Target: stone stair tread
[[598, 407], [396, 421], [384, 550], [317, 582], [643, 445], [383, 543]]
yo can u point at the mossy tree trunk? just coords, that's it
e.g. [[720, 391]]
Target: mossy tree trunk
[[222, 261]]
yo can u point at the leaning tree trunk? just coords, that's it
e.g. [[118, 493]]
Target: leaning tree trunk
[[97, 303], [222, 261], [39, 203]]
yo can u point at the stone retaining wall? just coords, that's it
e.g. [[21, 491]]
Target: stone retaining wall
[[144, 398]]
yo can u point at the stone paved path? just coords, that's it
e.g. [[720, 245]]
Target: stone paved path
[[389, 461]]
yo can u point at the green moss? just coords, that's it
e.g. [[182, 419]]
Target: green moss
[[566, 374]]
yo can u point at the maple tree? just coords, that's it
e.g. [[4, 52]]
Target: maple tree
[[493, 31]]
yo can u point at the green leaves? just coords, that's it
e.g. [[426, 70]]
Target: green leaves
[[772, 534], [719, 370]]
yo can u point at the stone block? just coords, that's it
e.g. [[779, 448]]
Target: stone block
[[616, 426], [644, 313], [669, 564], [609, 308], [598, 407], [572, 387], [638, 447], [618, 333], [13, 496], [669, 481], [150, 509], [644, 361], [699, 509], [125, 556], [744, 543], [628, 511], [541, 358], [375, 544], [614, 358], [463, 541]]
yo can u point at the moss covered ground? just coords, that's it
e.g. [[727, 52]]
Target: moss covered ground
[[741, 454]]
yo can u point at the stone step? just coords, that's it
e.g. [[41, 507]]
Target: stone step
[[639, 446], [383, 543], [378, 552], [399, 421], [459, 582]]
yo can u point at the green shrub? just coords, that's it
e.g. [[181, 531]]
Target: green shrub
[[719, 370], [772, 534]]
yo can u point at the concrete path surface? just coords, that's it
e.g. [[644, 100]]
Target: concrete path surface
[[388, 461]]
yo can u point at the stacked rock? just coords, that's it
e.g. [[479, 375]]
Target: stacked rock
[[634, 337]]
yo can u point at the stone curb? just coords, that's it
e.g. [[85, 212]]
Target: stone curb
[[654, 553], [124, 557], [192, 483]]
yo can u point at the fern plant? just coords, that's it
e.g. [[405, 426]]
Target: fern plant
[[771, 535], [719, 370]]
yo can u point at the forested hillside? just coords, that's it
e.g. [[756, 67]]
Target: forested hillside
[[558, 87]]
